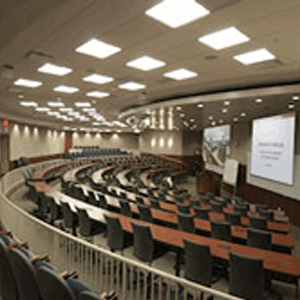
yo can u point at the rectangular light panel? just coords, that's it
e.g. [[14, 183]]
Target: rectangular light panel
[[253, 57], [66, 89], [55, 104], [28, 103], [146, 63], [224, 38], [28, 83], [98, 79], [181, 74], [83, 104], [132, 86], [97, 48], [97, 94], [54, 69]]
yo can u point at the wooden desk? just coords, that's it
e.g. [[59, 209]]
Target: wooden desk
[[42, 174]]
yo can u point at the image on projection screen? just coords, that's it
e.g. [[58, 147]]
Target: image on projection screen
[[216, 145], [272, 154]]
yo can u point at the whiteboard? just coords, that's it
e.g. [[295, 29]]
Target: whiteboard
[[230, 171]]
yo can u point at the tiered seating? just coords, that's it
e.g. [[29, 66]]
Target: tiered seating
[[94, 151]]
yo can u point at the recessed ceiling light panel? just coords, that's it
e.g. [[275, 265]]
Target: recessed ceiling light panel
[[42, 109], [224, 38], [176, 13], [256, 56], [66, 109], [55, 104], [28, 103], [28, 83], [181, 74], [54, 69], [66, 89], [83, 104], [98, 49], [146, 63], [97, 94], [132, 86], [98, 79]]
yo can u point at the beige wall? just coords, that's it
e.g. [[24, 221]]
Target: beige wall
[[191, 140], [32, 141], [161, 142]]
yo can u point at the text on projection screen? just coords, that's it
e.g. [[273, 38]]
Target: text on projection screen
[[273, 148]]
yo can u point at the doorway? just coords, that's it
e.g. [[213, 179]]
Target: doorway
[[4, 144]]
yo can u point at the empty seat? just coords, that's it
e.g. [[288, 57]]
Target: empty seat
[[205, 199], [258, 222], [194, 202], [246, 277], [70, 218], [102, 201], [241, 209], [186, 222], [221, 230], [154, 203], [233, 218], [183, 208], [211, 195], [92, 198], [55, 210], [125, 208], [259, 238], [201, 213], [268, 214], [87, 226], [145, 213], [216, 206]]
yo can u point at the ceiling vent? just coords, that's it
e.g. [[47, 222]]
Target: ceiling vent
[[215, 5], [38, 56]]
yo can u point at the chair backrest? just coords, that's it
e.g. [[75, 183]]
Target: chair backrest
[[125, 208], [200, 192], [221, 230], [89, 296], [211, 195], [241, 209], [7, 278], [186, 222], [198, 262], [194, 202], [52, 286], [258, 222], [25, 275], [102, 201], [246, 277], [201, 213], [154, 203], [139, 199], [54, 209], [143, 244], [216, 206], [67, 214], [268, 214], [183, 208], [145, 213], [115, 234], [92, 198], [259, 238], [85, 224], [233, 218], [178, 199], [205, 199]]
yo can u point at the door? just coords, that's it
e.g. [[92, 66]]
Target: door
[[4, 153]]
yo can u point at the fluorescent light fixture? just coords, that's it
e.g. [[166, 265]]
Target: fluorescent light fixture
[[21, 96], [182, 115], [291, 106], [69, 119], [256, 56], [98, 79], [200, 105], [28, 103], [178, 108], [210, 117], [224, 38], [83, 104], [96, 123], [53, 113], [235, 119], [28, 83], [243, 114], [66, 89], [73, 113], [55, 104], [89, 109], [83, 119], [192, 120], [176, 13], [258, 100], [66, 128], [97, 94], [42, 109], [97, 48], [54, 69], [132, 86], [62, 117], [221, 121], [146, 63], [213, 123], [66, 109], [224, 110], [181, 74], [118, 123], [295, 97], [226, 103]]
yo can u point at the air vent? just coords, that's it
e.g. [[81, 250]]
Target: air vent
[[38, 56], [210, 57], [264, 66], [215, 5]]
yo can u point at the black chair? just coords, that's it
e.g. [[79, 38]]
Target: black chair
[[201, 213], [92, 198], [205, 199], [145, 213], [183, 208], [87, 226], [260, 207], [246, 277], [233, 218], [70, 218], [211, 195], [43, 204], [200, 192], [125, 208], [139, 200], [194, 202], [55, 210], [154, 203], [144, 247], [268, 214], [9, 289], [102, 202], [186, 222], [241, 209], [52, 286], [259, 238], [198, 262], [179, 199], [221, 230], [25, 276], [258, 222], [117, 239], [216, 206]]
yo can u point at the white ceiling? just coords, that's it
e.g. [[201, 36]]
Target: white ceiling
[[56, 27]]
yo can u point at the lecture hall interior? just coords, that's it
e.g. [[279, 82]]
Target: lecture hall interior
[[149, 149]]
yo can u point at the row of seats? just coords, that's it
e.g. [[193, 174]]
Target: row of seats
[[25, 276], [98, 152]]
